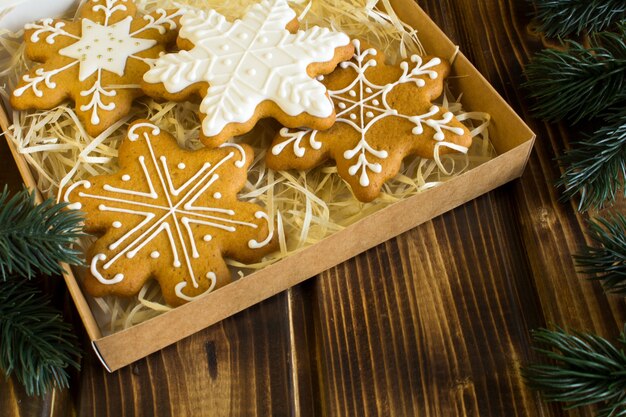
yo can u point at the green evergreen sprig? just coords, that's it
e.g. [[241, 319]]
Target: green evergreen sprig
[[607, 261], [35, 344], [580, 82], [35, 238], [586, 369], [562, 18], [595, 168]]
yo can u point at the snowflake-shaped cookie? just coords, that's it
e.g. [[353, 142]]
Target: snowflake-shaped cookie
[[256, 67], [384, 114], [97, 61], [169, 214]]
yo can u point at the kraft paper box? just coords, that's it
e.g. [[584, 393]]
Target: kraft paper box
[[510, 136]]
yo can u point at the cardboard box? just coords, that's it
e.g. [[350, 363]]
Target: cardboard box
[[511, 138]]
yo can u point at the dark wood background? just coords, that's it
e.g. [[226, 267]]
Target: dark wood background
[[432, 323]]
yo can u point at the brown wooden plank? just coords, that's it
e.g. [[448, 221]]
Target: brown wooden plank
[[433, 322], [239, 367]]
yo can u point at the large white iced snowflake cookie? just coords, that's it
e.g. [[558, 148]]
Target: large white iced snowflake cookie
[[169, 214], [97, 61], [255, 67]]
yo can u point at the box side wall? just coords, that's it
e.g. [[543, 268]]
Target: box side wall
[[333, 250]]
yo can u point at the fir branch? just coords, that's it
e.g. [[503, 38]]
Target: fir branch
[[35, 238], [587, 370], [562, 18], [35, 344], [596, 167], [607, 261], [578, 83]]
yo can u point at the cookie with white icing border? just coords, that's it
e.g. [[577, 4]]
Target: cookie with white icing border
[[256, 67], [169, 214], [384, 113], [97, 60]]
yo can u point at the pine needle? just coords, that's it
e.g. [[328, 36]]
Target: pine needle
[[596, 167], [35, 238], [578, 83], [562, 18], [607, 261], [586, 369], [35, 344]]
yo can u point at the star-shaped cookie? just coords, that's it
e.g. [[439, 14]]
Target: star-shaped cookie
[[169, 214], [97, 61], [255, 67], [384, 113]]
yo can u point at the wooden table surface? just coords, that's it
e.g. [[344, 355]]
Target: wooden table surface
[[432, 323]]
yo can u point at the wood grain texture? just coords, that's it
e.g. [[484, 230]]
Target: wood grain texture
[[432, 323], [238, 367]]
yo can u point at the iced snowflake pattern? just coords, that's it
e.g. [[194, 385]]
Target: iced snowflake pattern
[[162, 196], [363, 104], [247, 62], [103, 40]]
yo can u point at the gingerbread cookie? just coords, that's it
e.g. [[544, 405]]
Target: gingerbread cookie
[[384, 114], [169, 214], [256, 67], [93, 60]]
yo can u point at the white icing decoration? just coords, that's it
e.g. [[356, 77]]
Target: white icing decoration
[[181, 165], [132, 132], [178, 289], [52, 29], [96, 273], [295, 137], [437, 125], [75, 206], [41, 75], [254, 244], [241, 76], [109, 7], [161, 21], [442, 124], [150, 194], [367, 103], [217, 195], [179, 219], [99, 47], [117, 224], [242, 161], [96, 103], [125, 177]]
